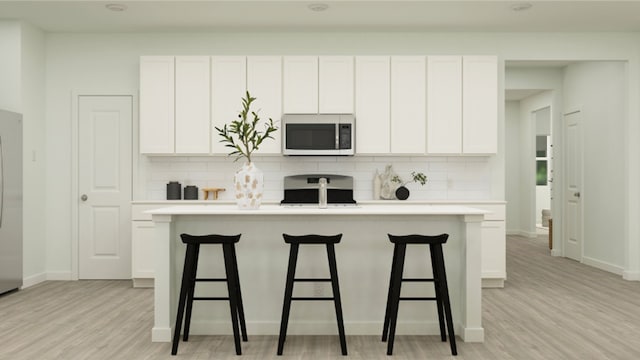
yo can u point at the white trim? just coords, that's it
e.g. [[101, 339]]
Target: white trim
[[75, 94], [489, 283], [60, 276], [602, 265], [143, 282], [556, 252], [32, 280], [631, 275]]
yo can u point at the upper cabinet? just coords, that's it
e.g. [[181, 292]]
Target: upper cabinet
[[373, 105], [408, 104], [300, 84], [264, 82], [193, 125], [444, 99], [157, 116], [480, 104], [462, 110], [228, 87], [335, 84]]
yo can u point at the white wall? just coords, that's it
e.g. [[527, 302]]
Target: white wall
[[33, 109], [512, 166], [10, 66], [110, 62], [598, 89]]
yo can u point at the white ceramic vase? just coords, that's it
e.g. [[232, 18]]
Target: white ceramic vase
[[249, 186]]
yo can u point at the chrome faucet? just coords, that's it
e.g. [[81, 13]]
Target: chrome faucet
[[322, 193]]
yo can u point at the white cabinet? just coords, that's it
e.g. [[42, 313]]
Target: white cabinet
[[228, 87], [157, 117], [372, 105], [264, 82], [462, 105], [193, 124], [335, 84], [408, 104], [444, 104], [480, 105], [300, 82], [142, 246], [493, 255]]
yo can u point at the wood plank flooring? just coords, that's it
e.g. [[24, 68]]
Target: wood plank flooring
[[551, 308]]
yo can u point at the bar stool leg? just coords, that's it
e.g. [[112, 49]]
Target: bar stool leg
[[184, 289], [288, 293], [333, 269], [192, 287], [444, 290], [243, 324], [233, 291], [387, 311], [438, 293], [395, 304]]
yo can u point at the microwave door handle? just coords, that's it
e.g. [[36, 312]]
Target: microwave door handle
[[337, 132]]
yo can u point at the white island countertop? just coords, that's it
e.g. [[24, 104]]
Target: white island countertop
[[365, 209]]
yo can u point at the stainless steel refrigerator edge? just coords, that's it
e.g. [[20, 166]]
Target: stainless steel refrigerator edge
[[10, 201]]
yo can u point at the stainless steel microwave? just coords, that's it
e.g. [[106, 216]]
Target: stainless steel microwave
[[318, 134]]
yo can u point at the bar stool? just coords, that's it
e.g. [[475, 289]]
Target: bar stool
[[189, 282], [295, 242], [439, 282]]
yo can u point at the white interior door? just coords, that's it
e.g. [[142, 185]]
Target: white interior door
[[573, 187], [104, 184]]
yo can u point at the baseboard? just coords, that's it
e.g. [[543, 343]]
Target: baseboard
[[59, 275], [602, 265], [159, 334], [472, 335], [143, 283], [631, 275], [33, 280], [213, 327], [556, 252], [492, 283], [522, 233]]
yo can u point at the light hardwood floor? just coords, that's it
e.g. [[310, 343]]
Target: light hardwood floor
[[551, 308]]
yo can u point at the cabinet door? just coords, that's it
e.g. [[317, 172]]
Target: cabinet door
[[193, 121], [408, 104], [142, 238], [157, 104], [444, 104], [480, 105], [336, 84], [264, 82], [493, 258], [300, 85], [372, 105], [228, 87]]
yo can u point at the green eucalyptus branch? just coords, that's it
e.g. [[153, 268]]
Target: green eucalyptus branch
[[415, 177], [242, 135]]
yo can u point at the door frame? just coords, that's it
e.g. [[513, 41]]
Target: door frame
[[563, 194], [135, 160]]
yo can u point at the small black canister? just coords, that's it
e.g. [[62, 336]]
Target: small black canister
[[191, 192], [174, 190]]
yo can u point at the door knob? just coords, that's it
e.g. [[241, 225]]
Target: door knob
[[84, 197], [576, 194]]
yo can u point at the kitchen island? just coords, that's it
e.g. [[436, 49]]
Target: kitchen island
[[363, 257]]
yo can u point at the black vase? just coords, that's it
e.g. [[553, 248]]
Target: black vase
[[191, 192], [174, 190], [402, 193]]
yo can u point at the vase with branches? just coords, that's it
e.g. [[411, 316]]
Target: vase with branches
[[402, 192], [244, 137]]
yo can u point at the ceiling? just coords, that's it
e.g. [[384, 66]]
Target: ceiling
[[341, 15]]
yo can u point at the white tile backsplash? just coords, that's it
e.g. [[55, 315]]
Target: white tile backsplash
[[449, 178]]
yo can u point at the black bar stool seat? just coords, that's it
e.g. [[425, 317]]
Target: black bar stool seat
[[439, 282], [189, 280], [295, 242]]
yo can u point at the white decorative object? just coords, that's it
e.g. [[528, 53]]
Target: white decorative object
[[377, 185], [249, 186], [388, 189]]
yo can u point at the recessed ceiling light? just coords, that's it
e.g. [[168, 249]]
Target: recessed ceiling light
[[116, 7], [318, 7], [521, 6]]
